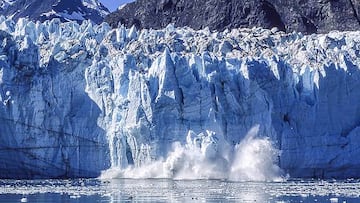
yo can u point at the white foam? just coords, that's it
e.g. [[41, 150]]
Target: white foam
[[24, 199], [255, 159], [206, 156]]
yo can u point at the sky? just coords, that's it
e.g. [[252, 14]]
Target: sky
[[112, 5]]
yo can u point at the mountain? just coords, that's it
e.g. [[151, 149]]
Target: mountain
[[307, 16], [66, 10], [77, 99]]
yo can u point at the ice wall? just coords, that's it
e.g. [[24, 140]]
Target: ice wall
[[48, 123], [78, 99]]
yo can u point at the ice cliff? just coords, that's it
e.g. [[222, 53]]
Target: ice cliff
[[79, 99]]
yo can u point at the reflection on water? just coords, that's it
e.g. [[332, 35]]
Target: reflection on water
[[163, 190]]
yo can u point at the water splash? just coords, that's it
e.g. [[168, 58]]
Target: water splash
[[255, 159], [208, 156]]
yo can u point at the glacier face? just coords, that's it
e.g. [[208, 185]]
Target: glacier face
[[48, 123], [78, 99]]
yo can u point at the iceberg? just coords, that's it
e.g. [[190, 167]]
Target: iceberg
[[242, 104]]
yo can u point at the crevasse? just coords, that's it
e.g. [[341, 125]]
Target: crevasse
[[79, 99]]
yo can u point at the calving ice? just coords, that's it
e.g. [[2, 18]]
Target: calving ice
[[207, 156], [242, 104]]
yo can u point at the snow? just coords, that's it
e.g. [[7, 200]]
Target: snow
[[5, 3], [177, 103], [72, 16], [87, 9], [95, 5], [47, 14], [122, 6]]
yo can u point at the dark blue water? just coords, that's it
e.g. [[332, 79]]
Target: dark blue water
[[163, 190]]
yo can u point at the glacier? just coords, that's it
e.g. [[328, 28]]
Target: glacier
[[78, 99]]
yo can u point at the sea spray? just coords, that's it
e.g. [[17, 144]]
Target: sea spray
[[255, 159], [208, 156]]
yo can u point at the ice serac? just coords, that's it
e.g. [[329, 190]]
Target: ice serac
[[48, 122], [245, 104]]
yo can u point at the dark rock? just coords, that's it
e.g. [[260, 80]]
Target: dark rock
[[308, 16], [66, 10]]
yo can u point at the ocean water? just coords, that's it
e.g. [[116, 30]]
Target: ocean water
[[167, 190]]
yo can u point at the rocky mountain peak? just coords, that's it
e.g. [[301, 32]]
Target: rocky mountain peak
[[307, 16], [66, 10]]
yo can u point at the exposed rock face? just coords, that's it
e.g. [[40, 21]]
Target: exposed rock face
[[66, 10], [308, 16]]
